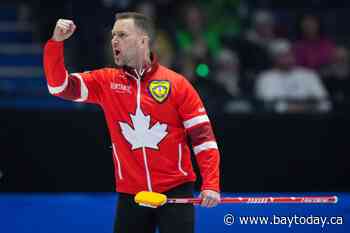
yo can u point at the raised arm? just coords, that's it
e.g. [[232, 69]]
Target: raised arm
[[78, 87]]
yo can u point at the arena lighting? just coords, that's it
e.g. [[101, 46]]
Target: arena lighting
[[202, 70]]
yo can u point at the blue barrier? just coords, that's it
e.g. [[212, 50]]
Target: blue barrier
[[21, 60], [56, 213], [18, 36], [8, 13]]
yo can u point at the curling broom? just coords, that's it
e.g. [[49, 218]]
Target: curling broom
[[154, 200]]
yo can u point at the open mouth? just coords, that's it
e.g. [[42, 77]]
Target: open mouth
[[116, 52]]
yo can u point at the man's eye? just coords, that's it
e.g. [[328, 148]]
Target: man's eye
[[119, 35]]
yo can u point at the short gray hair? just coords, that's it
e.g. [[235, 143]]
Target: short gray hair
[[141, 21]]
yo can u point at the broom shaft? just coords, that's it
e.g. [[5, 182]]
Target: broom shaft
[[263, 200]]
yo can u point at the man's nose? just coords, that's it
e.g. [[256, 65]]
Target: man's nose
[[115, 41]]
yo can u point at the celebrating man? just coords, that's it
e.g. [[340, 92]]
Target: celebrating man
[[150, 111]]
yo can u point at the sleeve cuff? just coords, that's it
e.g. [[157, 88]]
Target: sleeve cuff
[[213, 188], [54, 42]]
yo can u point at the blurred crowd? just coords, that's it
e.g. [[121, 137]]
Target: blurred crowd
[[240, 55]]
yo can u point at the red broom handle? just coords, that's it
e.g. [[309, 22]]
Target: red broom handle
[[263, 200]]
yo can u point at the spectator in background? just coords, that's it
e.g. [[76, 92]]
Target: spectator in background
[[228, 82], [313, 49], [226, 74], [223, 86], [339, 68], [252, 47], [194, 43], [288, 88], [336, 75], [192, 36], [262, 33]]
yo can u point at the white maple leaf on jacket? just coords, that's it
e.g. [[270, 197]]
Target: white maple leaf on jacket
[[141, 134]]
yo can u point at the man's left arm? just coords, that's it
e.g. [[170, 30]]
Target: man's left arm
[[199, 129]]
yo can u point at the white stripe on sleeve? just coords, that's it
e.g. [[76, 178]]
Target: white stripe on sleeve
[[195, 121], [205, 146], [59, 89]]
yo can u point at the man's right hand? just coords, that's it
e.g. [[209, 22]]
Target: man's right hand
[[63, 30]]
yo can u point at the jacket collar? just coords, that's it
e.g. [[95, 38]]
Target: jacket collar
[[143, 73]]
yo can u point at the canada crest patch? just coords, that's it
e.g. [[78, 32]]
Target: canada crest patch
[[159, 90]]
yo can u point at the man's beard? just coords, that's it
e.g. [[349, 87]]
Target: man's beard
[[120, 62], [124, 64]]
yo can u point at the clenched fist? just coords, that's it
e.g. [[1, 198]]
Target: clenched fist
[[63, 30]]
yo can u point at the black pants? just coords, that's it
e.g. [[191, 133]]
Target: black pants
[[169, 218]]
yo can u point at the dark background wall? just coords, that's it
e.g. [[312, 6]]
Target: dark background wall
[[47, 144], [64, 151]]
